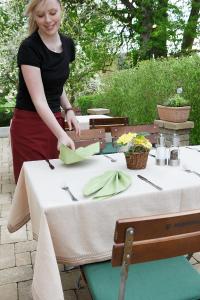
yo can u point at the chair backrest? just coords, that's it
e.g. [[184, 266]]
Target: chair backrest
[[108, 123], [157, 237], [152, 238], [150, 130], [87, 137]]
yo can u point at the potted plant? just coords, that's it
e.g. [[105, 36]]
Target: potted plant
[[136, 151], [175, 109]]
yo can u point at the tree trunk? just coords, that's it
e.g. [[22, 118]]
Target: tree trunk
[[190, 31]]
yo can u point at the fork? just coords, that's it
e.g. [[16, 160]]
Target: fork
[[109, 157], [67, 189], [50, 164], [193, 172]]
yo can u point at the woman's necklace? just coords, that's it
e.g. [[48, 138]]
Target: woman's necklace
[[57, 48]]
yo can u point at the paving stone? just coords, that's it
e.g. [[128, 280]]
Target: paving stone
[[7, 256], [23, 259], [7, 237], [70, 279], [33, 254], [70, 295], [4, 213], [6, 206], [25, 246], [16, 274], [29, 226], [61, 267], [24, 290], [29, 235], [6, 188], [83, 294], [3, 221], [8, 292], [5, 198], [197, 267], [197, 256]]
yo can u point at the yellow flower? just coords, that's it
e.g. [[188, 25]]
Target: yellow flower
[[136, 142], [126, 138]]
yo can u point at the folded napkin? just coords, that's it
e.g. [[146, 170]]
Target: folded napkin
[[69, 156], [108, 184]]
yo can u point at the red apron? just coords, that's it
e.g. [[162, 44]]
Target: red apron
[[31, 139]]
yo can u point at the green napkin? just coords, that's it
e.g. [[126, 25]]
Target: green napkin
[[69, 156], [108, 184]]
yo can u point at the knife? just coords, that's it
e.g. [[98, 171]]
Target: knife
[[195, 149], [148, 181]]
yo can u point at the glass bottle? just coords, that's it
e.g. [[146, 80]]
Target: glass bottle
[[174, 153], [161, 154]]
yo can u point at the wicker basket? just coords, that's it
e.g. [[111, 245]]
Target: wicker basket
[[137, 160]]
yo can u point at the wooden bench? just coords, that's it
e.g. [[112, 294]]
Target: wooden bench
[[108, 123], [87, 137], [147, 260]]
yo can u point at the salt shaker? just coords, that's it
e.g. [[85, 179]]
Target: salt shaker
[[174, 153], [161, 154]]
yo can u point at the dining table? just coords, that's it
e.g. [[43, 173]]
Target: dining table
[[81, 232], [84, 120]]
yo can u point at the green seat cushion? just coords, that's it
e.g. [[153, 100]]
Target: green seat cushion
[[109, 148], [166, 279]]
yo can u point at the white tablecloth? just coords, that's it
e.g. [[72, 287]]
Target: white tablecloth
[[84, 120], [81, 232]]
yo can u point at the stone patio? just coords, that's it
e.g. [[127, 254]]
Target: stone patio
[[17, 250]]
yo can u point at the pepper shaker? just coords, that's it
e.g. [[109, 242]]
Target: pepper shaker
[[174, 153]]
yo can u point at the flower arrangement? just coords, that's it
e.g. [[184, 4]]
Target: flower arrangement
[[136, 143]]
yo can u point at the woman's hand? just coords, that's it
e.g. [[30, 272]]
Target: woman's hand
[[71, 120], [65, 140]]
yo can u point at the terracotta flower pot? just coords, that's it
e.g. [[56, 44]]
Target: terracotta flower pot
[[173, 114], [136, 160]]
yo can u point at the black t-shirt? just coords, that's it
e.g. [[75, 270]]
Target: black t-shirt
[[54, 69]]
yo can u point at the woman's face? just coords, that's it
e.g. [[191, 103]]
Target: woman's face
[[47, 15]]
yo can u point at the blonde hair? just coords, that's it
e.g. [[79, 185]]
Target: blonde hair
[[29, 12]]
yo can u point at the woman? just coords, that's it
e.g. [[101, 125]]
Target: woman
[[43, 60]]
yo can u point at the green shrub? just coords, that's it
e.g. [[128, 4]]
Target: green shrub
[[89, 101], [136, 92], [5, 116]]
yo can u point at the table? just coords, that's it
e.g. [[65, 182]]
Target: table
[[84, 120], [69, 232], [98, 111]]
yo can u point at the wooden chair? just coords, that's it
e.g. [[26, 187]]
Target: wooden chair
[[149, 130], [108, 123], [154, 247], [87, 137]]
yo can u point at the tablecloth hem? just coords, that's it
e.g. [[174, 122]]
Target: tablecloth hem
[[84, 260], [17, 226]]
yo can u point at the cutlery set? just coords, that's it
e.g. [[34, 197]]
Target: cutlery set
[[67, 189]]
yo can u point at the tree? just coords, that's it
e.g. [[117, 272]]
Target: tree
[[191, 28]]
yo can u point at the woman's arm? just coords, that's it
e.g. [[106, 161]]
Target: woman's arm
[[33, 80], [69, 114]]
